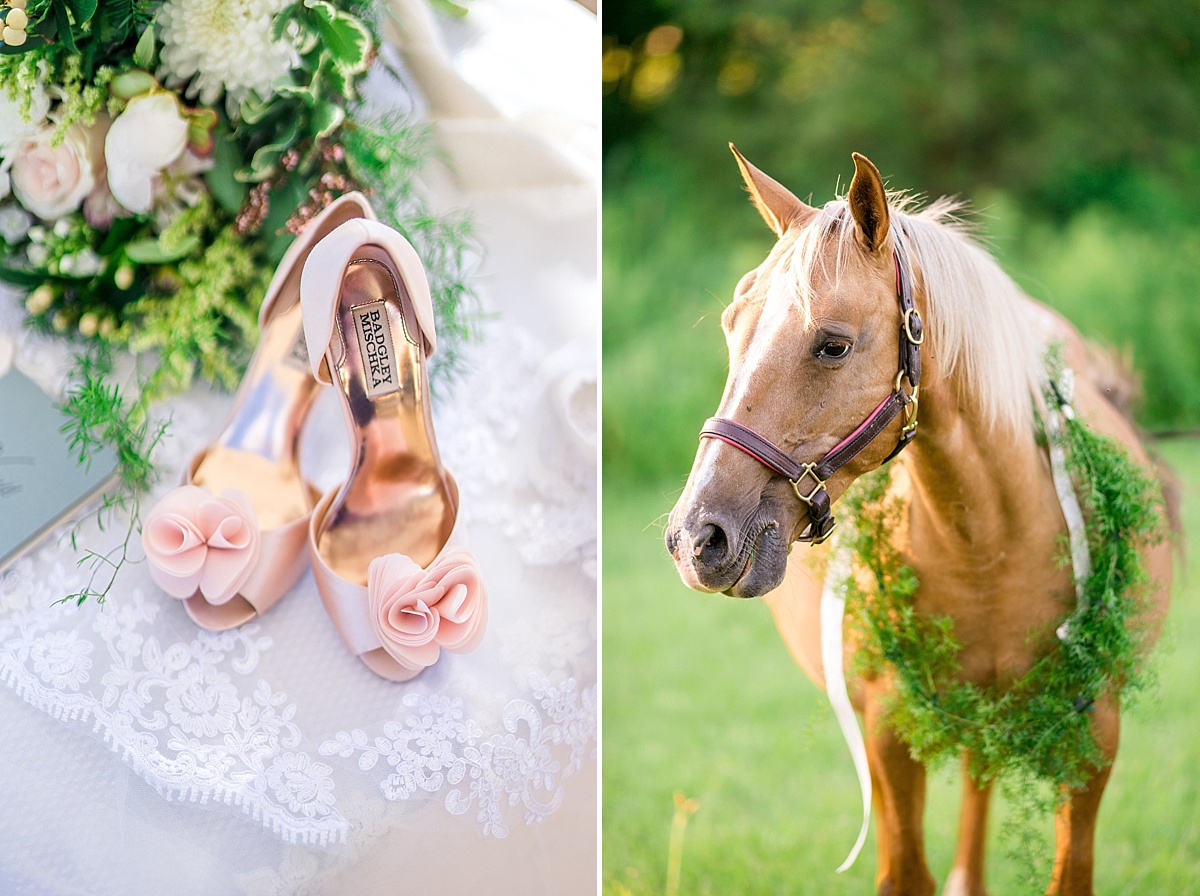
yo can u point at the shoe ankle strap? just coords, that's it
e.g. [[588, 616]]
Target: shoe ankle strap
[[321, 280]]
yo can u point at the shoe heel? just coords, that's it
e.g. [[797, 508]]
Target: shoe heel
[[384, 546], [231, 541]]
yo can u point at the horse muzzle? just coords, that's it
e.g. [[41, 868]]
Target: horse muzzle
[[713, 553]]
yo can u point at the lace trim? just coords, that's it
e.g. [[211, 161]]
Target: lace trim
[[171, 710], [192, 719], [436, 748]]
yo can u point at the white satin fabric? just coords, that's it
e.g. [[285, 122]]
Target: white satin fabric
[[143, 756]]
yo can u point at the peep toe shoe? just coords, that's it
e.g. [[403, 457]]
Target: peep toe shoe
[[230, 541], [385, 546]]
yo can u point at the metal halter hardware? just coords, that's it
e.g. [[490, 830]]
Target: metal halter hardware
[[816, 498]]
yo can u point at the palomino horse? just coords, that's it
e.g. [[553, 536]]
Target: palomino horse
[[814, 334]]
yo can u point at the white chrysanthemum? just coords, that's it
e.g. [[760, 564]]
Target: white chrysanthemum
[[222, 46]]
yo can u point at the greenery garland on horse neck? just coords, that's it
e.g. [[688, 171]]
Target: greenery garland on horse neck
[[1037, 729]]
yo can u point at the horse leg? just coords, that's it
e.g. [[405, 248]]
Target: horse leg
[[966, 877], [1075, 820], [900, 785], [882, 840]]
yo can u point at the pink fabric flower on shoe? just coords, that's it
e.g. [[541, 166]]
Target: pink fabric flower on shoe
[[415, 612], [197, 541]]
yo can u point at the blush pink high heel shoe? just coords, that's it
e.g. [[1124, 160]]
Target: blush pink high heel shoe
[[385, 546], [231, 540]]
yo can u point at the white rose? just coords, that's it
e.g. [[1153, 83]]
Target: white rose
[[14, 224], [147, 137], [51, 181]]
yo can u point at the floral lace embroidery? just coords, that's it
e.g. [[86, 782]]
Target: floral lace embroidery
[[435, 747], [192, 719], [173, 711], [556, 489]]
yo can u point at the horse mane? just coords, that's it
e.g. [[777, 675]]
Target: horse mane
[[974, 320]]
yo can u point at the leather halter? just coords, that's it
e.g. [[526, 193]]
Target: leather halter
[[808, 479]]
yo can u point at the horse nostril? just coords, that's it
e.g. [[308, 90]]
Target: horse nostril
[[672, 539], [711, 546]]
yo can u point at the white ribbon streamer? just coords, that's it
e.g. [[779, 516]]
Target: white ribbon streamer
[[1081, 557], [833, 605]]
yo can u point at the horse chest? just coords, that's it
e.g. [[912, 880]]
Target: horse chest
[[1005, 611]]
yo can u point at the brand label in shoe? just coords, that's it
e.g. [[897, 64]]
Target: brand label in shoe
[[378, 353]]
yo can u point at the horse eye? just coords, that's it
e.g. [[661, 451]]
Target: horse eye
[[834, 349]]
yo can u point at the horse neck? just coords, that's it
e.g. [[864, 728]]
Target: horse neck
[[977, 492]]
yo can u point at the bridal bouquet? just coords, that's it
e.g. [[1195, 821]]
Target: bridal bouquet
[[157, 157]]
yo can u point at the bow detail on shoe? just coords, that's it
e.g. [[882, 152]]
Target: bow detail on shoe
[[415, 612], [197, 541]]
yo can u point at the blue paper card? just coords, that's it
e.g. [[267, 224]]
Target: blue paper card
[[42, 483]]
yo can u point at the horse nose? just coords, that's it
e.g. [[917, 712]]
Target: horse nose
[[710, 546]]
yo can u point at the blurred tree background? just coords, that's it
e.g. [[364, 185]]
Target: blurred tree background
[[1073, 129]]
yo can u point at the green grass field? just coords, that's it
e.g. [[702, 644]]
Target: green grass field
[[701, 697]]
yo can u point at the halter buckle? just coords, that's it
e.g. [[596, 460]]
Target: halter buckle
[[823, 538], [807, 470], [910, 412], [909, 314], [808, 537]]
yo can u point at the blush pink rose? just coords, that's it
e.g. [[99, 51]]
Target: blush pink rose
[[463, 607], [197, 541], [415, 612], [51, 180]]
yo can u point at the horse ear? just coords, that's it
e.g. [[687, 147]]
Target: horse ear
[[868, 203], [776, 203]]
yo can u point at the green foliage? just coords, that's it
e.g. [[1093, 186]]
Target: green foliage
[[1036, 732], [1125, 279], [209, 317], [388, 152], [102, 414], [1038, 726], [66, 31], [335, 49], [671, 260], [701, 696], [1056, 104]]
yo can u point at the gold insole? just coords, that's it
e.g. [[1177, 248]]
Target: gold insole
[[256, 451], [397, 498]]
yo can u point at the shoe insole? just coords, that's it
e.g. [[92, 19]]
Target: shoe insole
[[397, 499]]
